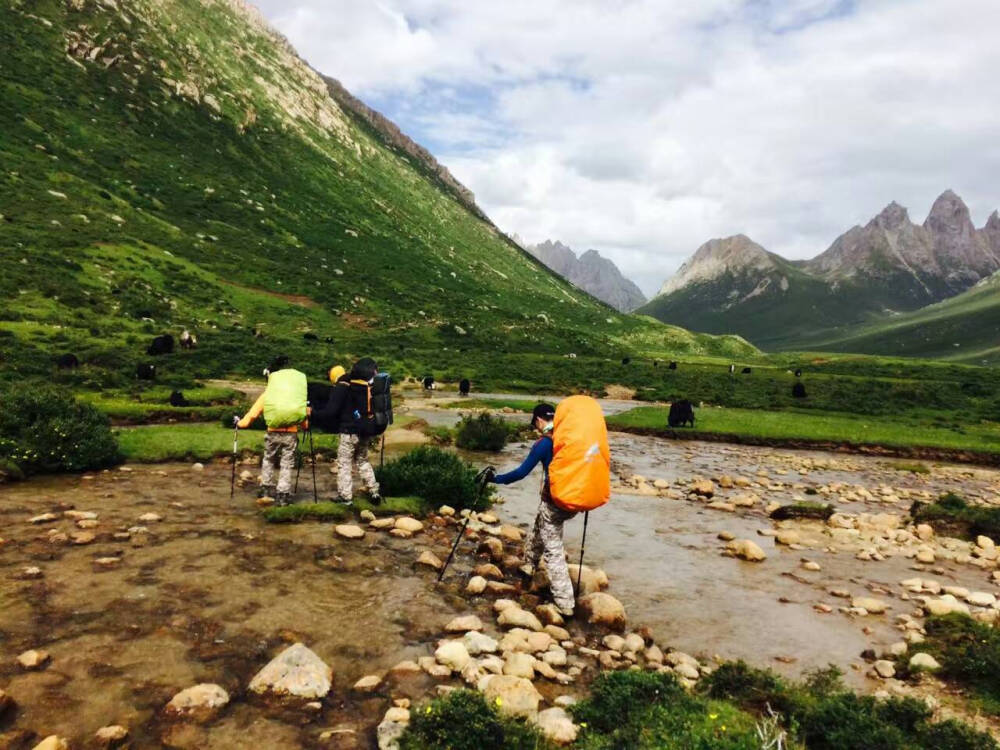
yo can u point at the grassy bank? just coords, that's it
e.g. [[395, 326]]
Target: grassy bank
[[828, 428], [328, 511], [196, 442]]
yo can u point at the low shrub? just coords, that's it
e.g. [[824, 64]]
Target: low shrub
[[823, 715], [481, 432], [951, 514], [464, 721], [44, 429], [969, 652], [435, 475]]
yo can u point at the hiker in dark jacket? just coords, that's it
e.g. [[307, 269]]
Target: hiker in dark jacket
[[348, 405]]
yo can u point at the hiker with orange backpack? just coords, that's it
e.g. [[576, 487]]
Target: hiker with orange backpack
[[573, 451]]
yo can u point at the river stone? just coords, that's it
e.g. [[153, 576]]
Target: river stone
[[464, 624], [924, 531], [614, 642], [33, 659], [925, 555], [556, 657], [382, 523], [349, 531], [80, 515], [453, 655], [703, 487], [430, 560], [686, 670], [558, 633], [296, 671], [479, 643], [872, 605], [368, 683], [44, 518], [811, 565], [476, 585], [511, 533], [111, 734], [500, 588], [492, 547], [5, 702], [885, 669], [52, 742], [603, 609], [549, 614], [726, 536], [407, 665], [486, 517], [787, 537], [446, 511], [400, 533], [150, 518], [87, 523], [515, 617], [746, 549], [519, 664], [984, 542], [367, 516], [945, 605], [634, 642], [512, 696], [557, 726], [434, 669], [392, 727], [922, 660], [654, 655], [409, 524], [981, 599], [591, 581], [488, 570], [501, 604], [200, 702]]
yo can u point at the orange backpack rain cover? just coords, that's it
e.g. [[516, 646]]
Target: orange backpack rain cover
[[580, 471]]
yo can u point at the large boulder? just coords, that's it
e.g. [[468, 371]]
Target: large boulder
[[297, 671], [592, 579], [515, 617], [392, 727], [453, 655], [513, 696], [745, 549], [603, 609]]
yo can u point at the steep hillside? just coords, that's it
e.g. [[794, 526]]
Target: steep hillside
[[965, 328], [888, 266], [173, 164], [591, 272]]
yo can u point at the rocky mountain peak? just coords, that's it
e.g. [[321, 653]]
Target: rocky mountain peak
[[993, 223], [718, 257], [892, 217], [949, 215], [591, 272]]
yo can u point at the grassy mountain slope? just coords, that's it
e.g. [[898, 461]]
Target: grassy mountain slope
[[172, 164], [965, 328]]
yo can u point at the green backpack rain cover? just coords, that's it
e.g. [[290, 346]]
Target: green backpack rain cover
[[285, 398]]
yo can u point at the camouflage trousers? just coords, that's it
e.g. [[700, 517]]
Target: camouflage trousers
[[546, 542], [352, 453], [279, 452]]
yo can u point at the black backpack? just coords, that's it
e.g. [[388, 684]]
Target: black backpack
[[379, 416]]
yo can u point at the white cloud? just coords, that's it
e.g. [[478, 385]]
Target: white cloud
[[642, 128]]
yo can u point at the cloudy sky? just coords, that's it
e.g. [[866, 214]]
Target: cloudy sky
[[642, 128]]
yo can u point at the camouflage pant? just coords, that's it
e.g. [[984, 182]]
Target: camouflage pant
[[546, 541], [279, 451], [352, 453]]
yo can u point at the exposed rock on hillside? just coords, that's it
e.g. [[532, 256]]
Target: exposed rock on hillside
[[591, 272]]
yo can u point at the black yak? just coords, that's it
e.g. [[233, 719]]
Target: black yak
[[145, 372], [672, 366], [177, 399], [681, 413], [798, 390], [161, 345], [464, 386], [67, 361]]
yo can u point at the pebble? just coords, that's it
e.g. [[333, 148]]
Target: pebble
[[477, 643], [463, 624], [408, 524], [52, 742], [368, 683], [199, 702], [296, 671], [453, 655], [515, 617], [430, 560], [150, 518], [519, 664], [922, 660], [349, 531], [556, 725], [885, 669], [33, 659], [476, 585], [746, 549], [111, 734]]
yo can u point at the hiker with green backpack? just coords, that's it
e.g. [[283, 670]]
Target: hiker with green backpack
[[284, 406]]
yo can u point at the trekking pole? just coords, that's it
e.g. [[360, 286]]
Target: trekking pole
[[298, 462], [381, 456], [481, 479], [232, 478], [312, 453], [583, 545]]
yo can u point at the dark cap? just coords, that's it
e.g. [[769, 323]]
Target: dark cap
[[545, 411]]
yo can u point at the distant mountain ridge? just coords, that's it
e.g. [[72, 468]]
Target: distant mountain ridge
[[888, 266], [591, 272]]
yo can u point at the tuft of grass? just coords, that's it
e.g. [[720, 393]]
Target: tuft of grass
[[330, 511], [819, 511], [481, 432], [914, 467], [197, 442], [435, 475], [953, 515]]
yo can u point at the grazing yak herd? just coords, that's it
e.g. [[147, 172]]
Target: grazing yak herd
[[681, 411]]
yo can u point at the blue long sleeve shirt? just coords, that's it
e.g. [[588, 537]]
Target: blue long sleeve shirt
[[541, 452]]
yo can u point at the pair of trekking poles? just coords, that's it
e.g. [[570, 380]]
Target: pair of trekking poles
[[482, 479], [298, 470]]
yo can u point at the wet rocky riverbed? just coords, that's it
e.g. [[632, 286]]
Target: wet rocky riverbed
[[132, 608]]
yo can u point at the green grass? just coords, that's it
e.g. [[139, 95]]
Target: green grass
[[330, 511], [836, 428], [819, 511], [517, 404], [914, 467], [196, 442]]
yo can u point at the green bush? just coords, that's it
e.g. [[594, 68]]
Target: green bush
[[435, 475], [481, 432], [952, 515], [969, 653], [43, 429], [464, 721]]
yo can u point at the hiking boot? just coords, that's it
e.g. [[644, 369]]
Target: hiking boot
[[527, 574], [283, 498], [566, 613], [266, 491], [349, 502], [376, 498]]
